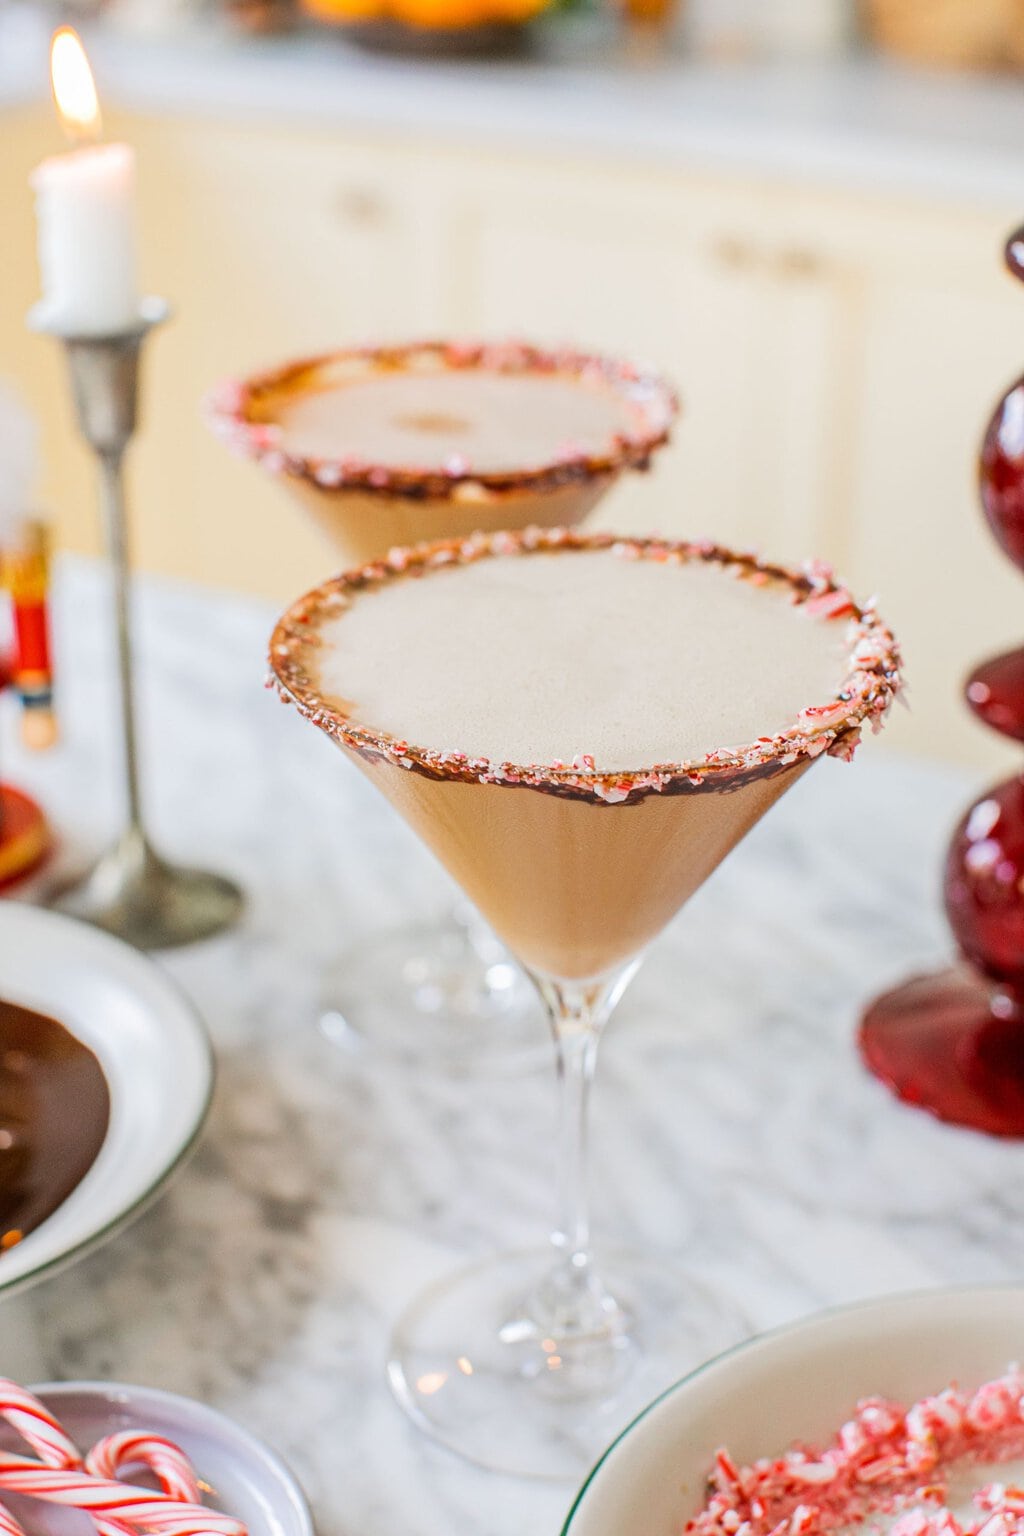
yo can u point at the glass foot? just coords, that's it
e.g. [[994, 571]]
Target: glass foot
[[438, 993], [135, 894], [952, 1044], [473, 1369]]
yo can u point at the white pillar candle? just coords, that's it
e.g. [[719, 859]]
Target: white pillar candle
[[85, 205]]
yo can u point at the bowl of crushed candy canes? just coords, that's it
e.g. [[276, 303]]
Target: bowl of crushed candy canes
[[903, 1415], [103, 1459]]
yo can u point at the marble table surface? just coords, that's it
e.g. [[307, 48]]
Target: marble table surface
[[732, 1121]]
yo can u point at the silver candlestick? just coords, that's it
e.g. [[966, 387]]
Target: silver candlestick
[[131, 891]]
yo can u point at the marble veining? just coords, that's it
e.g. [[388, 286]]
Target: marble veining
[[732, 1121]]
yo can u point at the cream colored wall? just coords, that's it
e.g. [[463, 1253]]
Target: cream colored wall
[[25, 136], [838, 354]]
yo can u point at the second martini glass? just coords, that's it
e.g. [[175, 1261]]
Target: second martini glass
[[567, 658], [388, 446]]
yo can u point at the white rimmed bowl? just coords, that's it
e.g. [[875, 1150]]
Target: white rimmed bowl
[[798, 1383], [156, 1058]]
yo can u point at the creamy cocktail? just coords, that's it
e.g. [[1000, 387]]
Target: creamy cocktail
[[581, 729], [594, 660], [387, 446]]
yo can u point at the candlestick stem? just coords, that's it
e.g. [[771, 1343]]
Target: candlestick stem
[[112, 484], [131, 891]]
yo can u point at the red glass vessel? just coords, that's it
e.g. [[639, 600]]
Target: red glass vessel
[[954, 1043], [995, 691]]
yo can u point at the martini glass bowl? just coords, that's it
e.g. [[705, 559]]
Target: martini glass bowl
[[526, 1363], [368, 500], [452, 976]]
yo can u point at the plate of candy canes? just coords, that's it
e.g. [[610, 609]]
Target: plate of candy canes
[[110, 1460], [903, 1415]]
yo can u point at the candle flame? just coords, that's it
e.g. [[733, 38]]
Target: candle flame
[[74, 91]]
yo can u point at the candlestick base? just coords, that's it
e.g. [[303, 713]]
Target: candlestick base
[[134, 893]]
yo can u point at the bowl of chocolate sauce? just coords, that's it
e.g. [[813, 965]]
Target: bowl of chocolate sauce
[[54, 1117], [105, 1080]]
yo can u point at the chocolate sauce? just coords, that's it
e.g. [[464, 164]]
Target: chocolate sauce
[[54, 1112]]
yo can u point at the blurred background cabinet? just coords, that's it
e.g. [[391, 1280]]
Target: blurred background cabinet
[[837, 353]]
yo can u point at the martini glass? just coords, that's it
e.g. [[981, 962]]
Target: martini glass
[[390, 446], [650, 652]]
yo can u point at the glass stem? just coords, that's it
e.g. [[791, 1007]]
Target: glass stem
[[577, 1036], [577, 1013]]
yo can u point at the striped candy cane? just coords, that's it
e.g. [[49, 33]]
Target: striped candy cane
[[170, 1466], [37, 1425], [8, 1525], [111, 1527], [116, 1508], [113, 1501]]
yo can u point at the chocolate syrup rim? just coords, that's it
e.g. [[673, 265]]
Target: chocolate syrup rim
[[230, 407], [865, 694]]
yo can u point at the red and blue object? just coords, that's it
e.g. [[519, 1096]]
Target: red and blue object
[[24, 835]]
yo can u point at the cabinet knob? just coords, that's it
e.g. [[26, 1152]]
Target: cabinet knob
[[792, 263], [798, 263], [361, 205], [736, 253]]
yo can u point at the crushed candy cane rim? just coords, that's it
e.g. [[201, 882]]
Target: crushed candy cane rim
[[864, 696], [236, 410]]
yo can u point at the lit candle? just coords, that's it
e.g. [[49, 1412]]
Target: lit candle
[[85, 204]]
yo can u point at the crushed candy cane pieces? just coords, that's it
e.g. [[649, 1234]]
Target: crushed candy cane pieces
[[886, 1460]]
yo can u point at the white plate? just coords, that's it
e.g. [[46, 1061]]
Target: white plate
[[154, 1053], [798, 1383]]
